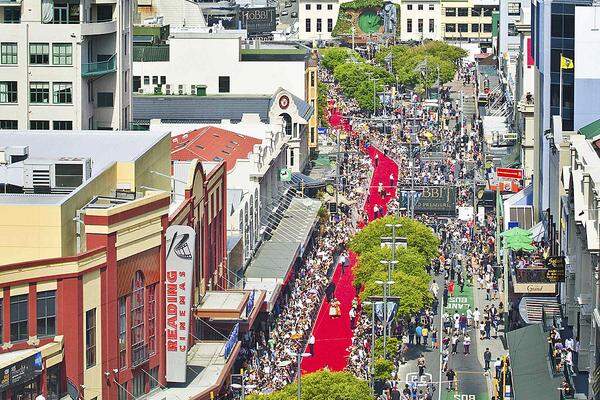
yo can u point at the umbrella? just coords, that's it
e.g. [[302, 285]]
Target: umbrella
[[520, 246], [516, 232]]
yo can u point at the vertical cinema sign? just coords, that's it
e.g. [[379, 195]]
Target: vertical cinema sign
[[180, 266]]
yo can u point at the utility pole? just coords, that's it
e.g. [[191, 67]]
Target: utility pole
[[337, 171], [412, 161], [462, 114], [371, 367], [353, 32], [390, 264]]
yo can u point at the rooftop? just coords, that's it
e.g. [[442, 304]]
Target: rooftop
[[591, 130], [212, 144]]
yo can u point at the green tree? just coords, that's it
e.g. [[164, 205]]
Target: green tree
[[323, 385], [392, 346], [355, 80], [382, 369], [418, 236], [369, 262], [331, 57], [322, 103]]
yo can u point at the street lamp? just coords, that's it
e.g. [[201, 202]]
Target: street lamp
[[386, 286], [299, 357], [242, 385], [371, 366]]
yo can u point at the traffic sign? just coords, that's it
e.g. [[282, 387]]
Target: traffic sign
[[509, 173]]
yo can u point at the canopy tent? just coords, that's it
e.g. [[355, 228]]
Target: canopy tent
[[514, 232]]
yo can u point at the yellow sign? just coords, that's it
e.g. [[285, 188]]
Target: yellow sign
[[566, 63], [534, 287]]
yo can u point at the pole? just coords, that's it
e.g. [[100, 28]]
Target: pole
[[385, 318], [372, 368], [505, 269], [243, 386], [337, 171], [299, 355], [462, 114], [560, 96]]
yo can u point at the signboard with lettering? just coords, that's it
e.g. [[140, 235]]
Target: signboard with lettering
[[556, 268], [21, 372], [439, 200], [509, 173], [258, 20], [548, 288], [179, 268]]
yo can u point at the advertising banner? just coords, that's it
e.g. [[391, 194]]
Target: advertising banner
[[21, 372], [439, 200], [180, 267], [258, 20]]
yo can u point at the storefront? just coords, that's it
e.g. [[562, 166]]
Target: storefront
[[21, 380]]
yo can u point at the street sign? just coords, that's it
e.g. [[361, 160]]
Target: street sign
[[509, 173], [321, 130]]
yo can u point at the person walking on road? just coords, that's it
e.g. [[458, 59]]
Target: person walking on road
[[467, 344], [425, 335], [454, 341], [311, 345], [421, 364], [487, 358], [419, 334], [450, 375], [451, 288]]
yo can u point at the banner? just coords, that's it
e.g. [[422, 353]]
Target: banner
[[180, 242], [21, 372], [233, 339], [250, 304], [440, 200], [556, 268], [391, 310]]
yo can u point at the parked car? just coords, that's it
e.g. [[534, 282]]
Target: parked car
[[294, 14], [288, 5], [284, 13]]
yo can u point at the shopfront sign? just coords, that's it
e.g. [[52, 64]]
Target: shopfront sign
[[535, 288], [21, 372], [179, 269], [509, 173], [556, 268]]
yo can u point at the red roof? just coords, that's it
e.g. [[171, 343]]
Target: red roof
[[212, 144]]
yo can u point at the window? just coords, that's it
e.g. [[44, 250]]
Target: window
[[105, 99], [409, 7], [319, 6], [139, 384], [122, 392], [62, 54], [146, 80], [137, 83], [319, 25], [153, 378], [39, 125], [224, 84], [104, 12], [487, 12], [514, 8], [62, 125], [330, 6], [8, 92], [155, 80], [8, 124], [312, 134], [450, 27], [62, 92], [409, 25], [463, 12], [308, 6], [475, 12], [39, 53], [487, 27], [122, 327], [420, 25], [291, 157], [137, 319], [329, 24], [463, 28], [151, 298], [307, 24], [163, 80], [39, 92], [420, 7], [475, 28], [65, 13], [19, 308], [312, 79], [450, 12], [431, 7], [431, 25], [46, 312], [8, 53], [12, 15], [90, 338]]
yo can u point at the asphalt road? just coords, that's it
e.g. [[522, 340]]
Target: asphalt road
[[287, 20]]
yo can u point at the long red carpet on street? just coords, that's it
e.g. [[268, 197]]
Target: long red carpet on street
[[333, 336]]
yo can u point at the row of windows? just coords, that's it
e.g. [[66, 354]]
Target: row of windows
[[19, 316], [319, 27], [37, 125], [464, 11], [409, 25], [39, 53], [39, 92], [464, 28], [319, 6], [431, 7], [224, 83]]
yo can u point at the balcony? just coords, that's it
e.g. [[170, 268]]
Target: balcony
[[99, 68], [98, 28], [139, 355]]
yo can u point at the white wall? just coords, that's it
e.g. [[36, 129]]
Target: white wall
[[587, 66], [329, 10], [425, 14]]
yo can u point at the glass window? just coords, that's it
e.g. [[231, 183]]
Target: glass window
[[122, 322], [8, 53], [431, 7], [487, 11], [137, 319], [12, 15], [463, 12], [450, 12], [153, 378], [139, 384], [46, 309], [409, 7], [137, 83], [163, 80], [319, 25], [104, 12], [19, 317], [62, 125], [54, 381], [223, 84], [8, 124], [474, 27], [308, 6], [409, 25], [146, 80], [90, 338], [329, 24], [420, 25], [39, 92], [105, 99], [319, 6], [39, 125], [463, 27], [8, 91], [307, 24], [487, 27], [155, 80], [151, 297], [39, 53], [450, 27], [475, 12], [431, 25], [420, 7], [62, 92], [514, 8], [122, 392], [62, 54], [330, 6]]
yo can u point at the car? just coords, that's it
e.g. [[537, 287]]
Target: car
[[284, 13], [288, 5], [294, 14]]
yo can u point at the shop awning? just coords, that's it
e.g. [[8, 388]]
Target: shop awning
[[273, 261], [538, 231], [530, 308], [532, 374], [300, 180]]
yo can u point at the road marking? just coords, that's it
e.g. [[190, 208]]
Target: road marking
[[422, 380]]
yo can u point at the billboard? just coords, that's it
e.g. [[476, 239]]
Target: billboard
[[439, 200], [258, 20], [179, 269], [21, 372]]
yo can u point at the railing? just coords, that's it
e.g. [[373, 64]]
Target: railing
[[99, 68], [139, 355]]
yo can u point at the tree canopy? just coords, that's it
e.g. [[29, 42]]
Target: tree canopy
[[323, 385], [331, 57], [356, 82], [369, 262]]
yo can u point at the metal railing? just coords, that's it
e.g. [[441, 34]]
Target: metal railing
[[100, 67]]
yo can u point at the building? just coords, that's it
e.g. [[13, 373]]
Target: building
[[65, 65], [420, 20], [312, 93], [282, 106], [176, 13], [468, 21], [317, 19]]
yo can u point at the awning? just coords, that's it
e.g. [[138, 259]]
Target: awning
[[327, 198], [300, 180], [530, 308], [532, 375], [538, 231], [272, 290], [273, 261]]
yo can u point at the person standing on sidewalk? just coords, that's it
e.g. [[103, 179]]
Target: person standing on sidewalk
[[487, 358], [425, 335], [311, 345], [419, 334]]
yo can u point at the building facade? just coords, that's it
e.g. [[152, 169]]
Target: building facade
[[468, 21], [65, 65], [317, 19], [420, 20]]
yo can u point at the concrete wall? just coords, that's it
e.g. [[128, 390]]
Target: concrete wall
[[587, 67]]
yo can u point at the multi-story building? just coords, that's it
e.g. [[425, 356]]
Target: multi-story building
[[175, 13], [468, 20], [317, 18], [420, 20], [65, 64]]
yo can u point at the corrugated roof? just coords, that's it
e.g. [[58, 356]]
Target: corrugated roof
[[212, 144], [591, 130], [199, 109], [144, 53]]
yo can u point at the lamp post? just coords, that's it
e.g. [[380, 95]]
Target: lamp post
[[299, 357], [371, 366], [242, 385], [386, 287]]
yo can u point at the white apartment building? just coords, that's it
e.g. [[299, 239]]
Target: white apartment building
[[317, 19], [176, 13], [420, 20], [65, 65]]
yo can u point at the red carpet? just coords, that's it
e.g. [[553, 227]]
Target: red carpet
[[334, 336]]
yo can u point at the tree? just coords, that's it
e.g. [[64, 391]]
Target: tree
[[369, 262], [382, 369], [355, 80], [418, 236], [334, 56], [323, 385], [392, 345]]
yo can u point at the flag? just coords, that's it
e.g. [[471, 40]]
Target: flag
[[566, 63]]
